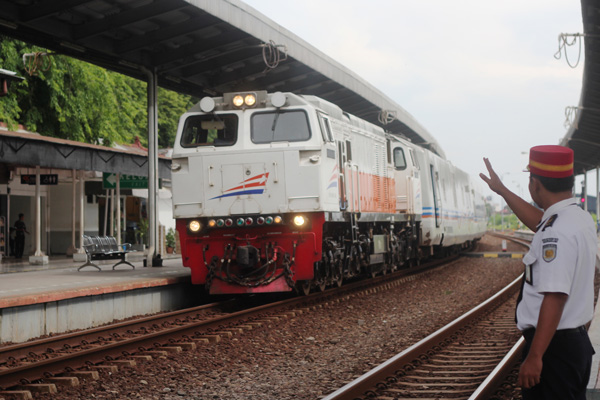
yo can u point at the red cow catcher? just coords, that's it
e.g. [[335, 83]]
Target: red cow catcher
[[253, 258]]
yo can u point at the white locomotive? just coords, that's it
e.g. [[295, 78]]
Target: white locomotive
[[273, 192]]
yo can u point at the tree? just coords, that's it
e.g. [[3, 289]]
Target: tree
[[71, 99]]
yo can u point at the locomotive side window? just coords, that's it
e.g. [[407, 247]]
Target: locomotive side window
[[210, 130], [280, 126], [399, 159], [348, 150], [325, 128], [415, 162]]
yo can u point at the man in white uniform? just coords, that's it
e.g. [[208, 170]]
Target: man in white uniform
[[557, 297]]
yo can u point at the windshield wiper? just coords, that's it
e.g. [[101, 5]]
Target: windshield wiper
[[275, 123]]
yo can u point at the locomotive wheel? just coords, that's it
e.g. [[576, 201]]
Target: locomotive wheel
[[322, 285], [304, 287], [338, 273], [372, 271]]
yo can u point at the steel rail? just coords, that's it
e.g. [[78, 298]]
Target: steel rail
[[498, 376], [366, 382], [72, 354]]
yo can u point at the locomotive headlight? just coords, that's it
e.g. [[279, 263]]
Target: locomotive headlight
[[238, 100], [299, 220], [195, 226], [250, 100]]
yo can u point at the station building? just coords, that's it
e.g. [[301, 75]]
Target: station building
[[77, 193]]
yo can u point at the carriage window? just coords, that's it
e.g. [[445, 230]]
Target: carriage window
[[210, 130], [280, 126], [399, 159]]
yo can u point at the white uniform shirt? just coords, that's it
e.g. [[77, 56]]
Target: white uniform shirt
[[562, 259]]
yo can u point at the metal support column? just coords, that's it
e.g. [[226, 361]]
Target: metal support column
[[584, 194], [73, 249], [80, 249], [118, 207], [597, 199], [153, 258], [38, 257], [38, 214]]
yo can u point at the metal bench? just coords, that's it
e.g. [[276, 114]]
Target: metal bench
[[104, 248]]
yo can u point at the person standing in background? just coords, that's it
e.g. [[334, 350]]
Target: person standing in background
[[21, 230]]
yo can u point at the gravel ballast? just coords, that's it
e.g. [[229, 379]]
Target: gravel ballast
[[315, 353]]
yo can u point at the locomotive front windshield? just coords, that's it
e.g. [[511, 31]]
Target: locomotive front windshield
[[280, 126], [210, 130]]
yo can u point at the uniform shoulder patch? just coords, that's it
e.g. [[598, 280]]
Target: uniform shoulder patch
[[550, 222], [549, 251]]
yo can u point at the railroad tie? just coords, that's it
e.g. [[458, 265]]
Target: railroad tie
[[17, 394]]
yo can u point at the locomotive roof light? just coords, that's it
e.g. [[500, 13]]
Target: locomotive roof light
[[278, 99], [250, 100], [212, 223], [207, 104], [220, 223], [228, 222], [238, 100], [246, 99], [194, 226], [269, 220], [278, 219]]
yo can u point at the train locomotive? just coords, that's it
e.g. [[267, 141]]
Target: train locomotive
[[274, 192]]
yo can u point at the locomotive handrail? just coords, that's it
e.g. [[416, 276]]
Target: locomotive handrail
[[357, 186], [210, 168], [276, 178]]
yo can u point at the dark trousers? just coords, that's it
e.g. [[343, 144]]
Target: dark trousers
[[19, 245], [567, 365]]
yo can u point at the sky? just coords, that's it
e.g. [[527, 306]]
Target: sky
[[480, 76]]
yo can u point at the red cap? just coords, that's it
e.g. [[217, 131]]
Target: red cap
[[551, 161]]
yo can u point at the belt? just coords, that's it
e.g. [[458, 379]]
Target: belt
[[529, 333]]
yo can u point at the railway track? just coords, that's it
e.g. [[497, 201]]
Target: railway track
[[78, 354], [473, 358], [451, 363]]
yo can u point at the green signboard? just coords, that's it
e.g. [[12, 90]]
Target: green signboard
[[109, 181]]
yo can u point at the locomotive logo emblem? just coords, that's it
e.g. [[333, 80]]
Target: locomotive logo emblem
[[254, 185]]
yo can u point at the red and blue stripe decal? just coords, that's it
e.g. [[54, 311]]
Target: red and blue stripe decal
[[254, 185]]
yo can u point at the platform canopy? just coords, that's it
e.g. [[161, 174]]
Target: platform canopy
[[200, 47], [584, 134]]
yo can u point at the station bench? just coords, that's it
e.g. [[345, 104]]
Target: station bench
[[104, 248]]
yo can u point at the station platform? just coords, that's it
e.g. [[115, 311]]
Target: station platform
[[37, 300]]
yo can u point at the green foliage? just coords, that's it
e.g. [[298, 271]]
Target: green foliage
[[75, 100]]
